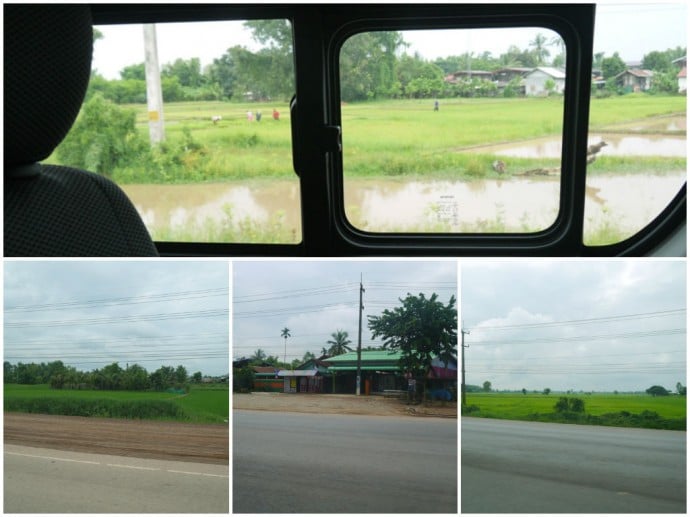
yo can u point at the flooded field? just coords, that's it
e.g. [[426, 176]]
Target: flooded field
[[627, 202]]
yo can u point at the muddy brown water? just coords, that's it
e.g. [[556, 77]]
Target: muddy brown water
[[628, 202]]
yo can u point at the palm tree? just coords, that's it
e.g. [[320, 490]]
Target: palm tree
[[259, 356], [285, 333], [540, 51], [339, 343]]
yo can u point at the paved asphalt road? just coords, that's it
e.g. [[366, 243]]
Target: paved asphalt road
[[290, 462], [51, 481], [529, 467]]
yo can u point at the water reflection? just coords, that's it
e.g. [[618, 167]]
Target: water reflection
[[617, 145], [626, 202]]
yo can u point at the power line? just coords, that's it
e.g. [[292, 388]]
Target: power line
[[626, 335], [119, 319], [130, 300], [644, 315]]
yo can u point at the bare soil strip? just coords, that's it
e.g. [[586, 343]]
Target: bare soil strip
[[340, 404], [137, 438]]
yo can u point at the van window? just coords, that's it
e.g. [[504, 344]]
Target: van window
[[452, 131], [221, 168], [638, 119]]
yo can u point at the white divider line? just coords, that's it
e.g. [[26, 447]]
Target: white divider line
[[197, 473], [53, 458], [130, 467]]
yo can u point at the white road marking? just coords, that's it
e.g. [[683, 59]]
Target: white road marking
[[53, 458], [130, 467], [197, 473], [116, 465]]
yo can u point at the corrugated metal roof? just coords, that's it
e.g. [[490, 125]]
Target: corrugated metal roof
[[553, 72], [367, 355], [297, 373], [368, 367]]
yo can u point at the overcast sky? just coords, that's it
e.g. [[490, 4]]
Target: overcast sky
[[630, 28], [314, 299], [91, 313], [580, 325]]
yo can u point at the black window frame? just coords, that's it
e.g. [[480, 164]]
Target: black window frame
[[319, 30]]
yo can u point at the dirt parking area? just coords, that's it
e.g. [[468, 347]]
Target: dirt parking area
[[139, 438], [341, 404]]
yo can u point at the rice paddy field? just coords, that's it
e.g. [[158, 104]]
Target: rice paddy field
[[532, 406], [203, 403], [389, 138]]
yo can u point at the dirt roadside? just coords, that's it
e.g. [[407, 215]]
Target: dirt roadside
[[139, 438], [340, 404]]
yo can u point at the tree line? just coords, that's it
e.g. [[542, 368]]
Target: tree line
[[374, 65], [111, 377]]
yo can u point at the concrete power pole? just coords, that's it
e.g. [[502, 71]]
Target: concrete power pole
[[462, 386], [359, 340], [154, 92]]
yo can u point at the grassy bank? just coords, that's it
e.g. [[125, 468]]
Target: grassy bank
[[201, 405], [380, 139], [622, 410]]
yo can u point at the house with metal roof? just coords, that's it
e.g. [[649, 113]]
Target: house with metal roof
[[635, 80], [537, 80], [380, 371]]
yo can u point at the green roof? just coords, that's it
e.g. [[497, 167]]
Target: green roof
[[367, 356]]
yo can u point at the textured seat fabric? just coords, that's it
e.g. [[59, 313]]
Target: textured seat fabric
[[52, 210], [70, 212]]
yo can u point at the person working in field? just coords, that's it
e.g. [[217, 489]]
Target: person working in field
[[276, 115]]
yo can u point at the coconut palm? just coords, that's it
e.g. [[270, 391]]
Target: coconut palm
[[285, 333], [259, 356], [540, 51], [339, 343]]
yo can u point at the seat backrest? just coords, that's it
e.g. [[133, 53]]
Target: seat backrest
[[52, 210]]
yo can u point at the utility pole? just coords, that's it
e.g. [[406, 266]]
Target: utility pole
[[154, 92], [462, 386], [359, 340]]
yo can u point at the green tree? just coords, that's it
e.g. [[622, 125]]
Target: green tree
[[180, 375], [103, 138], [486, 386], [258, 357], [547, 391], [612, 66], [657, 391], [285, 333], [421, 328], [368, 65], [339, 343], [271, 70], [681, 390], [137, 71], [135, 377], [524, 391], [188, 72], [539, 49], [223, 73], [196, 378], [657, 61]]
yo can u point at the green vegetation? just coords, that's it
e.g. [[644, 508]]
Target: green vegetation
[[203, 404], [381, 139], [597, 409]]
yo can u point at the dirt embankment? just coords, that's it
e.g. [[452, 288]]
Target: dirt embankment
[[340, 404], [138, 438]]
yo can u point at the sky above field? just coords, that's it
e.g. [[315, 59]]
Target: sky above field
[[630, 28], [314, 299], [580, 325], [91, 314]]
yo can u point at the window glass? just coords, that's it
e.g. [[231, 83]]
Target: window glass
[[221, 169], [452, 130], [637, 132]]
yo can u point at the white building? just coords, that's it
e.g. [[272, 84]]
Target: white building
[[537, 80]]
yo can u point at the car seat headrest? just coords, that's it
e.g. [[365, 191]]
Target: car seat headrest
[[47, 66]]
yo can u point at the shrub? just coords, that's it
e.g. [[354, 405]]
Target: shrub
[[103, 138]]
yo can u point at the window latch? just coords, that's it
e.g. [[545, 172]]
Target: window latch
[[331, 139]]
